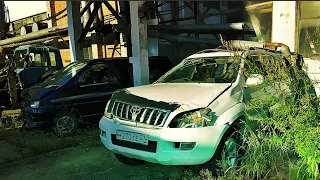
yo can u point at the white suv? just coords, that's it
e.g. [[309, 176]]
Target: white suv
[[184, 118]]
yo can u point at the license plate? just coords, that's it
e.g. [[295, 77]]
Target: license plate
[[132, 137]]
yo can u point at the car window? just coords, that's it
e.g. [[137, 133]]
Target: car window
[[37, 60], [52, 56]]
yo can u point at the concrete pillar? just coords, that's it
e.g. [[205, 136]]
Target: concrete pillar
[[74, 30], [284, 23], [2, 20], [139, 41]]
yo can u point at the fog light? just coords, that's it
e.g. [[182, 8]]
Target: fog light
[[108, 115], [187, 145]]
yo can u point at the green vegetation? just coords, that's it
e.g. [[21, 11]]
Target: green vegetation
[[286, 144]]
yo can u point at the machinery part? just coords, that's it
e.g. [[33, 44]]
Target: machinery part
[[25, 30], [128, 161], [65, 123], [39, 26]]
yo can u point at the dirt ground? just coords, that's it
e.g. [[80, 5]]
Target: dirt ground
[[39, 155], [79, 163]]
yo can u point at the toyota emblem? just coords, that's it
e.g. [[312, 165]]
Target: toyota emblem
[[135, 110]]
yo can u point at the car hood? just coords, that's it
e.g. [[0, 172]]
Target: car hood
[[196, 95], [37, 91]]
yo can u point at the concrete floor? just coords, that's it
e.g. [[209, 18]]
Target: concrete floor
[[83, 163]]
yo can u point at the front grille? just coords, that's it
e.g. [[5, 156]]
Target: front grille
[[151, 147], [146, 115]]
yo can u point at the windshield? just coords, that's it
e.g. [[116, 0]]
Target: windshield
[[203, 70], [65, 74]]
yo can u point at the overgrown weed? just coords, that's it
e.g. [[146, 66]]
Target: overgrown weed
[[286, 144]]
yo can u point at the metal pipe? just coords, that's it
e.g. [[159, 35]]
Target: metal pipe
[[202, 27], [177, 38], [29, 42], [34, 35]]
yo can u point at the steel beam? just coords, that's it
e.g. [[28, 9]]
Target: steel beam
[[116, 14], [93, 14], [202, 27], [183, 39]]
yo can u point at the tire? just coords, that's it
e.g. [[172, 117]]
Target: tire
[[128, 161], [65, 123], [228, 152]]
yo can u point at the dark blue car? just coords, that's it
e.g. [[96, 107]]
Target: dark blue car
[[78, 93]]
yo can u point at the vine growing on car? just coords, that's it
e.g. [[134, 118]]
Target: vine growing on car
[[286, 144]]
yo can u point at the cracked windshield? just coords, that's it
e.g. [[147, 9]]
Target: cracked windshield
[[203, 70]]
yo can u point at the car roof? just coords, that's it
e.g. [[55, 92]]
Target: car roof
[[225, 53]]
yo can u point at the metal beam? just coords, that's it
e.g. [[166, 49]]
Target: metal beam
[[183, 39], [116, 14], [86, 7], [93, 14], [202, 27]]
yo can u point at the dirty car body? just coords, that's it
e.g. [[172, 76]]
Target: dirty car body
[[180, 119], [82, 88]]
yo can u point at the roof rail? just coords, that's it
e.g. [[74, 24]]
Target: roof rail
[[212, 50], [284, 49]]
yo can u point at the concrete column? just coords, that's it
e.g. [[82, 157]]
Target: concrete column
[[139, 41], [74, 30], [2, 20], [284, 23]]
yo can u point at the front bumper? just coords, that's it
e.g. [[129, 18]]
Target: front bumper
[[161, 148], [35, 118]]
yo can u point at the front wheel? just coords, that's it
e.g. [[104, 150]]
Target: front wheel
[[128, 161], [65, 123], [227, 153]]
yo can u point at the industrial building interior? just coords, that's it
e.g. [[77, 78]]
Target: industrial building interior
[[73, 78]]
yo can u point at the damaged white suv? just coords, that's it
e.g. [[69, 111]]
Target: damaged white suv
[[185, 117]]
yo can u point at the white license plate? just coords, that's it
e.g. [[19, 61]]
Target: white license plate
[[132, 137]]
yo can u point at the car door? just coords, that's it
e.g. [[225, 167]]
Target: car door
[[255, 94], [37, 66], [93, 90]]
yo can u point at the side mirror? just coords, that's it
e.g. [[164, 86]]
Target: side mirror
[[254, 80]]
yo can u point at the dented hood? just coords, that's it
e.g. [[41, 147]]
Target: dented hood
[[37, 91], [194, 94]]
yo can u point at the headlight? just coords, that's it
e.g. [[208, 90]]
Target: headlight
[[35, 104], [201, 118], [106, 113], [40, 104]]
